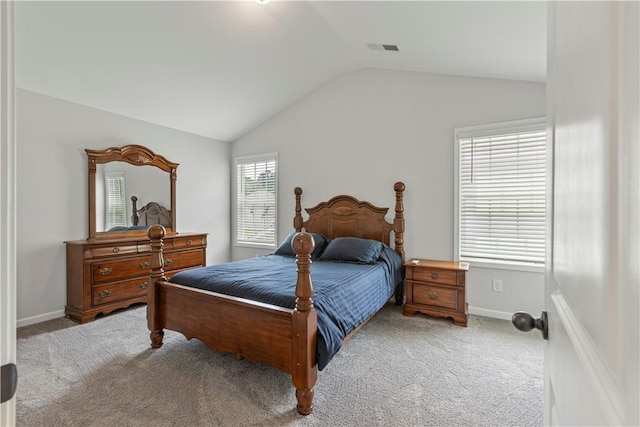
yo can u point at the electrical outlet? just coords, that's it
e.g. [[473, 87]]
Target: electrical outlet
[[496, 285]]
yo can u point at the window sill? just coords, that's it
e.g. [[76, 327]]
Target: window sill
[[255, 245], [505, 266]]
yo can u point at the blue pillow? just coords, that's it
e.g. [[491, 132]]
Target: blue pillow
[[286, 249], [353, 249]]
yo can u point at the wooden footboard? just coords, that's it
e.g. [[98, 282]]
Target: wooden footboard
[[280, 337]]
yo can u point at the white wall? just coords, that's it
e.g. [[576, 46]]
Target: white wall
[[364, 130], [52, 189]]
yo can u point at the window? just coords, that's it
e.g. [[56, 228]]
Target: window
[[116, 209], [501, 193], [256, 200]]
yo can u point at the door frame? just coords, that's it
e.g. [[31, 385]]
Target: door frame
[[7, 203]]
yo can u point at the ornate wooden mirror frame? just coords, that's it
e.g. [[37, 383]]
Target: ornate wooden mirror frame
[[136, 155]]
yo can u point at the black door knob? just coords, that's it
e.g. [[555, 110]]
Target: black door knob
[[525, 322], [9, 374]]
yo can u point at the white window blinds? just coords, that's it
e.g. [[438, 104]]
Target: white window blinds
[[116, 200], [502, 193], [256, 200]]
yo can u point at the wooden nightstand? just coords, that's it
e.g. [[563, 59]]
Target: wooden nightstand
[[436, 288]]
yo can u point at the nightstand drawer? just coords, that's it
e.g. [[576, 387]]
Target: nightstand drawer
[[437, 276], [435, 295]]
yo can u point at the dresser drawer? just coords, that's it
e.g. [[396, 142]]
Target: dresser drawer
[[189, 242], [117, 291], [126, 289], [184, 259], [177, 243], [435, 295], [446, 277], [110, 250], [110, 271]]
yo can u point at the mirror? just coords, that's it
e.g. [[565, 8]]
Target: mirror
[[128, 177], [135, 185]]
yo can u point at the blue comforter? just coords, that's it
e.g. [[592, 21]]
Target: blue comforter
[[345, 294]]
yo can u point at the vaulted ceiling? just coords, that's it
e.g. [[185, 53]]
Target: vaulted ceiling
[[219, 68]]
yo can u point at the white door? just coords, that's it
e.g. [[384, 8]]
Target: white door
[[592, 280], [7, 207]]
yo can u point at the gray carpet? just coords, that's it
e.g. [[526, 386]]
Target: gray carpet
[[397, 370]]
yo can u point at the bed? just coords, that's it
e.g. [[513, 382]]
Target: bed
[[150, 214], [290, 332]]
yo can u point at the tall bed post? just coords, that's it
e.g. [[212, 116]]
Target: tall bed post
[[173, 177], [156, 233], [304, 369], [398, 231], [398, 221], [134, 211], [297, 219]]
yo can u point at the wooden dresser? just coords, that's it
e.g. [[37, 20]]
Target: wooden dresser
[[436, 288], [107, 274]]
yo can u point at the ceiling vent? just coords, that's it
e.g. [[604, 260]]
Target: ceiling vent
[[379, 46]]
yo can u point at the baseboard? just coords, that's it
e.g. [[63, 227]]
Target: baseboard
[[40, 318], [477, 311]]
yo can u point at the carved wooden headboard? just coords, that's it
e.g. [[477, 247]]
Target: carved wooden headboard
[[346, 216], [150, 214]]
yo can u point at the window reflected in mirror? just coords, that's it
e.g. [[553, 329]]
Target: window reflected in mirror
[[115, 199]]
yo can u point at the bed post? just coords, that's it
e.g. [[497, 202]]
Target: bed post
[[134, 211], [156, 233], [304, 369], [398, 231], [297, 220], [398, 221]]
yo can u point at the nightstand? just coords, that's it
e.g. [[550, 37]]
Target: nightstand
[[436, 288]]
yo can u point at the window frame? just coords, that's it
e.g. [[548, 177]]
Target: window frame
[[245, 160], [495, 129]]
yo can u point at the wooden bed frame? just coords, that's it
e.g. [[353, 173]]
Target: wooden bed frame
[[280, 337], [150, 214]]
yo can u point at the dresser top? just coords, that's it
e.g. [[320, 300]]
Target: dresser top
[[141, 238]]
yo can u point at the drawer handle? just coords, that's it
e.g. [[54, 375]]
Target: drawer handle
[[144, 285], [105, 271], [116, 250], [434, 276], [105, 293], [433, 295], [167, 262], [145, 265], [189, 242]]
